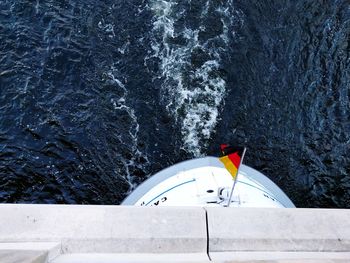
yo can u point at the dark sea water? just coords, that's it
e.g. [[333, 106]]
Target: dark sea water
[[95, 96]]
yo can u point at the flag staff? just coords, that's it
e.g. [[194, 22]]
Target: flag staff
[[235, 180]]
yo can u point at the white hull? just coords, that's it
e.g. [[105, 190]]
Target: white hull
[[198, 182]]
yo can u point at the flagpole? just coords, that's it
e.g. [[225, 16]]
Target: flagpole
[[235, 180]]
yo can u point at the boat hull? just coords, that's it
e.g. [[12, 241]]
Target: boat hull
[[206, 182]]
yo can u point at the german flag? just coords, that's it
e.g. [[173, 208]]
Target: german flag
[[231, 158]]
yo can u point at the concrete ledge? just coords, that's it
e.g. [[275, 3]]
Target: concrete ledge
[[257, 229], [133, 258], [50, 249], [107, 229], [172, 234], [280, 257], [26, 256]]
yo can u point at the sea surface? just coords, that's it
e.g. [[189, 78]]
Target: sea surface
[[96, 96]]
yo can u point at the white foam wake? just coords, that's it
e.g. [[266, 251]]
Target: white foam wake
[[130, 155], [121, 105], [194, 92]]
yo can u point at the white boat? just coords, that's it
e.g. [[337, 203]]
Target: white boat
[[206, 182]]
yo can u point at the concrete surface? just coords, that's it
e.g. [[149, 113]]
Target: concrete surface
[[242, 257], [252, 256], [74, 234], [258, 229], [292, 261], [22, 256], [133, 258], [107, 229], [51, 249]]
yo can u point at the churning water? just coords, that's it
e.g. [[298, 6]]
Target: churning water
[[95, 96]]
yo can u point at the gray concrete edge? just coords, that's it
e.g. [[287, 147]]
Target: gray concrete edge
[[221, 232]]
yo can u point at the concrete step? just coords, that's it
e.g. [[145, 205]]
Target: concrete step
[[226, 257], [107, 229], [280, 257], [173, 234], [38, 252], [132, 258], [260, 229], [22, 256]]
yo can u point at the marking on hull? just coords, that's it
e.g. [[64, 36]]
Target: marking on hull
[[193, 180], [262, 190]]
